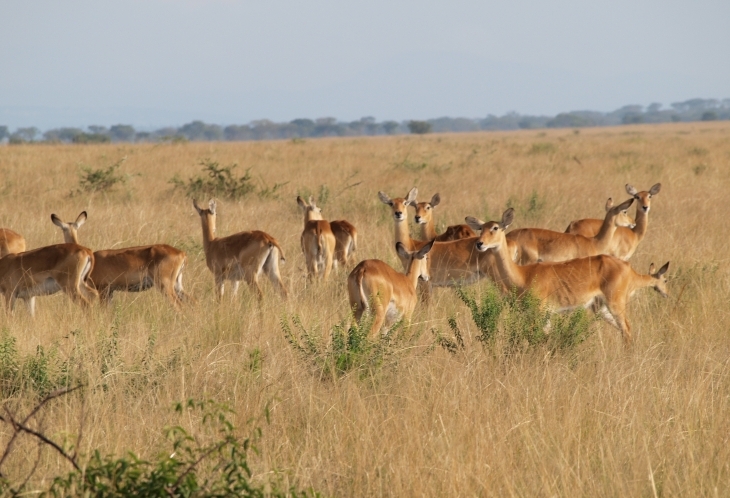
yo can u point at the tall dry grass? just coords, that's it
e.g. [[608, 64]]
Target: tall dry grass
[[601, 422]]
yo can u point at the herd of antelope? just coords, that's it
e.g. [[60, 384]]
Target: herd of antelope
[[585, 266]]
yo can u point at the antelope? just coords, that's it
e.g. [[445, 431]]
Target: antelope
[[318, 242], [345, 241], [132, 269], [241, 256], [449, 263], [537, 244], [424, 217], [391, 294], [398, 207], [584, 227], [625, 240], [567, 285], [45, 271], [10, 242]]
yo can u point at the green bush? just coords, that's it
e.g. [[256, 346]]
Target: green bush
[[38, 374], [520, 323], [216, 181], [419, 127], [212, 463], [348, 350], [101, 179]]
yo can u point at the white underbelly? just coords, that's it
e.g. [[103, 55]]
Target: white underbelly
[[392, 313], [46, 288]]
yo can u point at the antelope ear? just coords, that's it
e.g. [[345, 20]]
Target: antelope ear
[[81, 219], [57, 221], [507, 218], [652, 268], [435, 200], [663, 269], [424, 250], [609, 203], [623, 206], [384, 198], [301, 203], [655, 189], [311, 201], [197, 208], [401, 250], [211, 206], [411, 198], [474, 223], [630, 189]]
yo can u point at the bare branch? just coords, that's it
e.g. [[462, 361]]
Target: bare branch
[[19, 427]]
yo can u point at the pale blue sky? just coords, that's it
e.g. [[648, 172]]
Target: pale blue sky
[[164, 62]]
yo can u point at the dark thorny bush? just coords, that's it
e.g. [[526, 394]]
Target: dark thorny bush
[[216, 181]]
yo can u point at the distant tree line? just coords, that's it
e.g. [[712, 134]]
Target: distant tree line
[[689, 110]]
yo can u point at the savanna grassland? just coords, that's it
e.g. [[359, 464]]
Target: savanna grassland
[[598, 420]]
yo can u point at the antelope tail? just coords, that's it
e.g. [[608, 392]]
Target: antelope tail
[[363, 298]]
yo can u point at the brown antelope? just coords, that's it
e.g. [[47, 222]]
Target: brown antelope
[[583, 227], [318, 242], [424, 217], [626, 239], [132, 269], [392, 294], [10, 242], [449, 263], [241, 256], [45, 271], [345, 241], [571, 284], [538, 244]]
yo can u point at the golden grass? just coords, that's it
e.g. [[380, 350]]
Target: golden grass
[[603, 422]]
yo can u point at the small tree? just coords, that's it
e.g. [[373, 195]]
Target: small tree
[[26, 134], [390, 127], [121, 133], [419, 127]]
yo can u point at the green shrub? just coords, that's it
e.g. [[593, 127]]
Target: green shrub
[[520, 322], [419, 127], [37, 374], [348, 350], [216, 181], [212, 463], [101, 179]]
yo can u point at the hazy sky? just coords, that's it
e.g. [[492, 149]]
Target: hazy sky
[[165, 62]]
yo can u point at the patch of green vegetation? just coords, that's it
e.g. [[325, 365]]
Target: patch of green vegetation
[[541, 148], [39, 373], [520, 322], [216, 181], [213, 462], [699, 169], [531, 209], [101, 179], [698, 151], [349, 348]]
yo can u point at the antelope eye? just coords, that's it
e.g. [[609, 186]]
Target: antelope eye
[[428, 207], [494, 228]]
